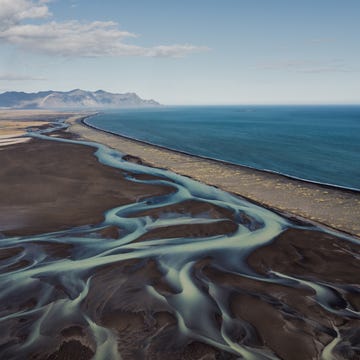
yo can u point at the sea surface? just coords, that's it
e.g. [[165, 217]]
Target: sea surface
[[316, 143]]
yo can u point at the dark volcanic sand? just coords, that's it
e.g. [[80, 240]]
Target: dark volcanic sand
[[48, 186], [64, 312]]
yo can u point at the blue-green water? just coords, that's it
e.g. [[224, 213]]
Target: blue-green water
[[317, 143]]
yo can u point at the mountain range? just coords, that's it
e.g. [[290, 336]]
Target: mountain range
[[74, 99]]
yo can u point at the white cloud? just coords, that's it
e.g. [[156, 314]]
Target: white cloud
[[173, 50], [73, 38], [14, 11]]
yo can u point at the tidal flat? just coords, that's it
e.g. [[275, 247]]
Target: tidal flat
[[103, 256]]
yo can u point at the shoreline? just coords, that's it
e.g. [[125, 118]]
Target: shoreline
[[167, 258], [320, 204], [224, 162]]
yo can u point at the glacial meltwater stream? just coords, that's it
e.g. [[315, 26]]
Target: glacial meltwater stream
[[204, 281]]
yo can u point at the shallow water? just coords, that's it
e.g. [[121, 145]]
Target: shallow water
[[318, 143], [52, 292]]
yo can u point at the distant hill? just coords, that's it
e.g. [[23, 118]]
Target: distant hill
[[74, 99]]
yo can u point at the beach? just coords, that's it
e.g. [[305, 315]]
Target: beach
[[131, 261], [336, 208]]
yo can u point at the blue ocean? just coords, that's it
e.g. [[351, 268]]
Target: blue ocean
[[316, 143]]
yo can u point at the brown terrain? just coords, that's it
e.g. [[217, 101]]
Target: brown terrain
[[48, 186]]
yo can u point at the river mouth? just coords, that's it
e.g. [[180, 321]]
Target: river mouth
[[177, 269]]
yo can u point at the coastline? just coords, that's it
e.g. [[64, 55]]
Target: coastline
[[120, 255], [224, 162], [336, 208]]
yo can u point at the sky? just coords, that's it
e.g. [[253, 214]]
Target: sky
[[185, 52]]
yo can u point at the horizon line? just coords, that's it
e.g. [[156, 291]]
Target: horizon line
[[266, 104]]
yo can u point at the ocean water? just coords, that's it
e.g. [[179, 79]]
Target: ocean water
[[316, 143]]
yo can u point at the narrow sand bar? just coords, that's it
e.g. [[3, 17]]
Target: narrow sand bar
[[336, 208]]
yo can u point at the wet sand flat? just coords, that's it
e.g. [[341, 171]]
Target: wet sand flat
[[14, 124], [179, 274], [336, 208], [48, 186], [36, 115]]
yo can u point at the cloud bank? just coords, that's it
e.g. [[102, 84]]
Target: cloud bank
[[14, 11], [73, 38]]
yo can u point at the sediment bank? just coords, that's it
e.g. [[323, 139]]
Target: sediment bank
[[337, 208]]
